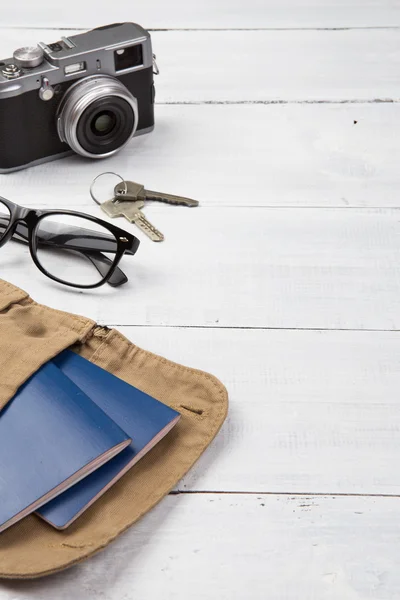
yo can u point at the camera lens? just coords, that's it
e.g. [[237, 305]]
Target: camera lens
[[105, 126], [97, 116]]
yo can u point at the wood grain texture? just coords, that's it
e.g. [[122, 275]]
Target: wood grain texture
[[206, 14], [297, 268], [310, 412], [277, 243], [308, 155], [268, 66], [234, 547], [271, 66]]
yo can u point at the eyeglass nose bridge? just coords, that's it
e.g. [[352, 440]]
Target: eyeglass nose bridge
[[19, 221]]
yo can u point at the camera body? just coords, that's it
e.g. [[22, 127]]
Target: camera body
[[88, 93]]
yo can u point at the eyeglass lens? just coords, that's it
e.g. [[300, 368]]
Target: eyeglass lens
[[73, 249]]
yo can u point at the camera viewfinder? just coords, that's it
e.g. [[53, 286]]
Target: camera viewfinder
[[126, 58]]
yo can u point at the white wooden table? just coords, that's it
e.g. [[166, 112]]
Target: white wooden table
[[283, 118]]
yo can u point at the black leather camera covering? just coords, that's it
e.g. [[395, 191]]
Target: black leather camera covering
[[28, 129]]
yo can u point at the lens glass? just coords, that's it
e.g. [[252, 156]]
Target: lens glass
[[74, 250], [5, 216], [103, 123]]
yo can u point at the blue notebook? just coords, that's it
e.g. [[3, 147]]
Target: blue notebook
[[51, 436], [145, 420]]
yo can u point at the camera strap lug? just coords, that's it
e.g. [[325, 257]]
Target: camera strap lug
[[156, 70]]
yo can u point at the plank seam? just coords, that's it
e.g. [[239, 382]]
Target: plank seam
[[280, 101], [252, 328], [167, 29], [288, 494], [342, 28]]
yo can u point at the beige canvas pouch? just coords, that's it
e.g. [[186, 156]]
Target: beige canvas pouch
[[30, 335]]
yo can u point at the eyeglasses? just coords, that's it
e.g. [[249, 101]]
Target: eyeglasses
[[72, 248]]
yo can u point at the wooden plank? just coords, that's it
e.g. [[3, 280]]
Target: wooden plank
[[310, 412], [234, 547], [268, 66], [206, 14], [297, 268], [278, 65], [245, 155]]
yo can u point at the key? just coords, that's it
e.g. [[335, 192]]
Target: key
[[131, 211], [129, 190]]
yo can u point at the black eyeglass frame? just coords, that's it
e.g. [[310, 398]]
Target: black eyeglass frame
[[31, 218]]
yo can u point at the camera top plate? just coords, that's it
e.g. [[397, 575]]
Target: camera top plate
[[94, 51]]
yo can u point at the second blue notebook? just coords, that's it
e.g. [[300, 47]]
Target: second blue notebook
[[143, 418]]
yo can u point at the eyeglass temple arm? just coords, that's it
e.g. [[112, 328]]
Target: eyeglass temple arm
[[103, 264], [84, 239], [100, 262]]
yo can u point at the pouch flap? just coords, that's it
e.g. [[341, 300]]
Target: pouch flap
[[31, 335], [10, 294]]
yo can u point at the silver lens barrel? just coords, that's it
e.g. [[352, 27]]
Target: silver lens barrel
[[79, 98]]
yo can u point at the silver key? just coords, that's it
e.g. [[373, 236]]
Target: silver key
[[132, 212], [129, 190]]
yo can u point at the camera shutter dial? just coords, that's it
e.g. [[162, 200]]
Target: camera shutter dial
[[28, 57]]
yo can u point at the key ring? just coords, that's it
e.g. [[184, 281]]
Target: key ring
[[121, 193]]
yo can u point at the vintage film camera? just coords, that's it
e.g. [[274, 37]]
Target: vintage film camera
[[88, 94]]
